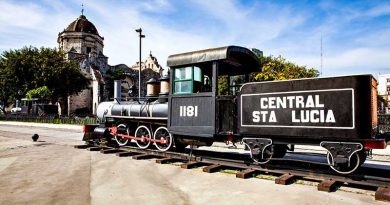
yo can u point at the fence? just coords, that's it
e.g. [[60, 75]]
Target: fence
[[383, 120], [384, 123], [52, 120]]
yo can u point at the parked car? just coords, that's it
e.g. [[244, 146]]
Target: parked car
[[16, 109]]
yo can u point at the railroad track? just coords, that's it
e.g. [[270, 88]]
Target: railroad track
[[286, 171]]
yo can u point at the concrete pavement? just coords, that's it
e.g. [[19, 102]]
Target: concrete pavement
[[53, 172]]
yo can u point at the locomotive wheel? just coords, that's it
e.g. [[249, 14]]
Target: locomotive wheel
[[122, 129], [356, 160], [162, 133], [143, 132], [180, 146]]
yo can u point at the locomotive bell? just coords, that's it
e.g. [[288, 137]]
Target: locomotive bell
[[164, 89], [152, 88]]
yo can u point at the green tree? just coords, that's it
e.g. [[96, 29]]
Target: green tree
[[278, 68], [43, 93], [273, 68], [29, 68]]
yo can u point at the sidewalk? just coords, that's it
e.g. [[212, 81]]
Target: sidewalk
[[45, 125]]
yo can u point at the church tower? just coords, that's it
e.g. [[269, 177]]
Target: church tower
[[82, 43], [82, 37]]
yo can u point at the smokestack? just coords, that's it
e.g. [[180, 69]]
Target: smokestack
[[117, 91]]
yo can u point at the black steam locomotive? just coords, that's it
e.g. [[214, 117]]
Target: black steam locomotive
[[188, 108]]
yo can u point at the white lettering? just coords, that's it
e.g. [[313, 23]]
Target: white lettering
[[256, 116], [294, 118], [271, 102], [318, 104], [264, 115], [330, 117], [322, 116], [313, 118], [299, 102], [263, 104], [281, 103], [272, 117], [305, 115], [290, 101], [310, 102], [189, 111]]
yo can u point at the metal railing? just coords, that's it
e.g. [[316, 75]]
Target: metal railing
[[49, 119], [383, 120]]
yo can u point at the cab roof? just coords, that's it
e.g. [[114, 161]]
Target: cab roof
[[232, 59]]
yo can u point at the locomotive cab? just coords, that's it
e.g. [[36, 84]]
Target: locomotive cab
[[198, 108]]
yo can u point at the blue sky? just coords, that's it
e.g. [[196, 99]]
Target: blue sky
[[356, 34]]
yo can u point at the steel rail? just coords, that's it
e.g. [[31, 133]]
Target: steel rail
[[366, 177], [300, 168]]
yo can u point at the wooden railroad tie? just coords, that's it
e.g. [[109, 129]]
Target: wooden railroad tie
[[82, 146], [94, 148], [245, 174], [164, 160], [212, 168], [109, 151], [285, 179], [190, 165], [327, 185], [382, 194], [122, 153], [142, 156]]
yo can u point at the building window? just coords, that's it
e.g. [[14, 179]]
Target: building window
[[388, 80], [88, 49]]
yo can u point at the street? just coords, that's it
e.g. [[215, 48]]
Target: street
[[51, 171]]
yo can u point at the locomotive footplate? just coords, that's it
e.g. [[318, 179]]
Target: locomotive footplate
[[261, 151]]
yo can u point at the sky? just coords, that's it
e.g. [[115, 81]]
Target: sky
[[355, 34]]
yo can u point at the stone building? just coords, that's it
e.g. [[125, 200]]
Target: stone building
[[82, 42]]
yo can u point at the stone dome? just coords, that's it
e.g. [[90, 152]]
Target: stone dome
[[81, 24]]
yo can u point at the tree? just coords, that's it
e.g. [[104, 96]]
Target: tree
[[43, 93], [272, 69], [280, 69], [29, 68]]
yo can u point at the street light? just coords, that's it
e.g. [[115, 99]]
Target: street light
[[139, 71]]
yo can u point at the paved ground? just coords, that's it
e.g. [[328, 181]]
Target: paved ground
[[53, 172]]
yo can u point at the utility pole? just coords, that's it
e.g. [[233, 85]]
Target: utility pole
[[321, 56], [139, 71]]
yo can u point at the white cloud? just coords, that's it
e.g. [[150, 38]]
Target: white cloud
[[19, 16], [276, 29]]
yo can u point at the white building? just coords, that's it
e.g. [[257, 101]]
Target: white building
[[384, 91]]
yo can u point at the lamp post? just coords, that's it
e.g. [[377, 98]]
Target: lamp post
[[139, 71]]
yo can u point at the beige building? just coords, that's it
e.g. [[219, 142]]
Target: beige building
[[384, 91], [82, 42]]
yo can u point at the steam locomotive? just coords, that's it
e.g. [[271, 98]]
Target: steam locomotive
[[188, 108]]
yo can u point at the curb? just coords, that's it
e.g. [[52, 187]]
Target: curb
[[45, 125]]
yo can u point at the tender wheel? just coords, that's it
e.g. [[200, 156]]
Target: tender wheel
[[143, 132], [265, 157], [279, 150], [163, 134], [356, 160], [122, 129]]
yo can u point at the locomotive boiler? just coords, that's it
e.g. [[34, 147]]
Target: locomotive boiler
[[189, 108]]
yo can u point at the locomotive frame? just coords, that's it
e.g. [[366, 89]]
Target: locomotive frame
[[194, 113]]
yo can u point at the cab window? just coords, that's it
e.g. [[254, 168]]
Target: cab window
[[189, 80]]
